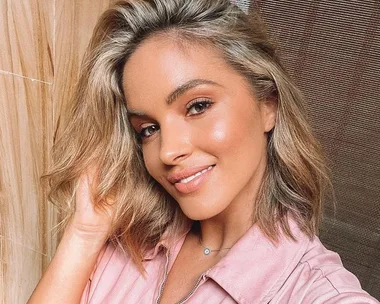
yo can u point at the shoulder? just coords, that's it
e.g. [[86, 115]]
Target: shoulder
[[320, 277]]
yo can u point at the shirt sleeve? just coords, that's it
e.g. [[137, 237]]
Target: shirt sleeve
[[320, 278], [104, 256], [331, 283], [324, 291]]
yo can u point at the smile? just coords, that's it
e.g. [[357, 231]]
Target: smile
[[190, 178], [186, 183]]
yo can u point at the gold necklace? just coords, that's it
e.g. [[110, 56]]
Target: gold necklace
[[207, 250]]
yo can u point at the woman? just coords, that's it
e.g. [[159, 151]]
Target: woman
[[189, 150]]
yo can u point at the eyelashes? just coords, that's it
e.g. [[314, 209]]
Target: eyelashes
[[193, 108], [198, 106], [148, 131]]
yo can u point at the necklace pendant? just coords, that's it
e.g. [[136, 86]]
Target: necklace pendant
[[206, 251]]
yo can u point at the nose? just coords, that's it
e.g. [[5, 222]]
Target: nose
[[175, 144]]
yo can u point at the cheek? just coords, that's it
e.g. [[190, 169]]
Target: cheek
[[238, 142], [218, 132], [150, 161], [222, 136], [227, 132]]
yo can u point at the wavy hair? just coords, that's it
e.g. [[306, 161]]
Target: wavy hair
[[99, 132]]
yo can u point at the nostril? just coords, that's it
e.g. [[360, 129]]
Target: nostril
[[173, 156], [173, 152]]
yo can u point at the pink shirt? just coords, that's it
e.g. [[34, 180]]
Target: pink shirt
[[253, 271]]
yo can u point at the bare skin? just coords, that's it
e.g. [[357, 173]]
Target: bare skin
[[68, 273]]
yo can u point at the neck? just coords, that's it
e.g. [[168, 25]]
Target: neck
[[226, 228], [217, 235]]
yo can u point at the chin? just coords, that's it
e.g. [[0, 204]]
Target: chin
[[200, 214], [198, 217]]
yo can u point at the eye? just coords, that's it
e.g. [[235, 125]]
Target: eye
[[148, 131], [198, 106]]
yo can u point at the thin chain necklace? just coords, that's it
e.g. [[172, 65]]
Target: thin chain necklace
[[207, 250]]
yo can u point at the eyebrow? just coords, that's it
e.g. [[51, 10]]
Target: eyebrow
[[182, 89]]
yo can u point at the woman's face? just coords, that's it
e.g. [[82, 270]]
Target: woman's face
[[203, 132]]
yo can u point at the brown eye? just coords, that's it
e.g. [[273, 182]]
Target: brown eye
[[148, 131], [198, 107]]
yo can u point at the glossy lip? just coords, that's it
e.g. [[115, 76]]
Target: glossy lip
[[194, 184], [175, 177]]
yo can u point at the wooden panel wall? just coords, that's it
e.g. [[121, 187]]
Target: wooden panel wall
[[41, 44]]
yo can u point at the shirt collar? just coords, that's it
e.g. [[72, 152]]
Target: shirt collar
[[255, 268], [165, 243]]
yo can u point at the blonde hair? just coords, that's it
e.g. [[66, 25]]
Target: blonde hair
[[99, 131]]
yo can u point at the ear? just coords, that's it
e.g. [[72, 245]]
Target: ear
[[269, 113]]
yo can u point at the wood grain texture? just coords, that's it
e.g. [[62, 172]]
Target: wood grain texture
[[26, 126], [26, 29], [24, 151], [75, 21], [23, 261], [2, 270], [25, 115]]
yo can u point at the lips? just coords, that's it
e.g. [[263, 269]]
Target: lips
[[191, 179], [176, 177]]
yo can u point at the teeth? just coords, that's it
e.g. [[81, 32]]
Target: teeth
[[190, 178]]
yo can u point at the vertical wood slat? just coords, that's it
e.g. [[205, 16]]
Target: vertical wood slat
[[25, 140], [26, 38], [75, 21], [23, 153], [26, 74]]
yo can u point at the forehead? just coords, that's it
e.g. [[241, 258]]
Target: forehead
[[160, 64]]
